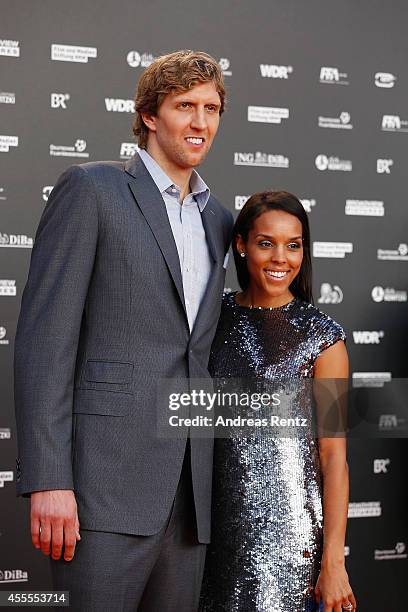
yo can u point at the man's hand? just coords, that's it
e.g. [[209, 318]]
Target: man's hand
[[54, 522]]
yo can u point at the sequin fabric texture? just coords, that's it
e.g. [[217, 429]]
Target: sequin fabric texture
[[267, 522]]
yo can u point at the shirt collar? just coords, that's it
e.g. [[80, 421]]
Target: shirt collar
[[199, 190]]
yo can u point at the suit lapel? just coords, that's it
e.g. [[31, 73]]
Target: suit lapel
[[213, 232], [211, 228], [153, 208]]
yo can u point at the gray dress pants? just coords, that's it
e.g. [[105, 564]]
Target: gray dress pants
[[113, 572]]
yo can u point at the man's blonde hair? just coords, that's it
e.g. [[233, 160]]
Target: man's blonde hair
[[174, 72]]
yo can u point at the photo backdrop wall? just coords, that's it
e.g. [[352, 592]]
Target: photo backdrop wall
[[317, 106]]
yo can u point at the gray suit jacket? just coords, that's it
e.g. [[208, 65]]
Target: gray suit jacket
[[102, 318]]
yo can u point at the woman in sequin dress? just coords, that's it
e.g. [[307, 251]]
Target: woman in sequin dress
[[279, 504]]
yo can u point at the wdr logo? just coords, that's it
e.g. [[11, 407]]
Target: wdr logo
[[118, 105], [272, 71], [368, 337]]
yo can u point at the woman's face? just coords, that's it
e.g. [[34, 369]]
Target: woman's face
[[274, 254]]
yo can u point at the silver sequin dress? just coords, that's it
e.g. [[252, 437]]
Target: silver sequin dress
[[267, 510]]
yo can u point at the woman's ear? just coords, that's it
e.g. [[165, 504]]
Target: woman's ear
[[240, 244]]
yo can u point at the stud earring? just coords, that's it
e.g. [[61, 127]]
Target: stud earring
[[242, 254]]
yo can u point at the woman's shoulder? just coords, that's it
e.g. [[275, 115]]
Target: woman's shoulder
[[229, 307], [228, 298], [321, 324]]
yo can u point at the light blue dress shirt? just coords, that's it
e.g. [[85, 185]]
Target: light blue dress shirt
[[188, 231]]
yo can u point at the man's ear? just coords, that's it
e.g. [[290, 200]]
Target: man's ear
[[149, 121]]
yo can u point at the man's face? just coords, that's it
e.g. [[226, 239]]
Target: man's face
[[182, 132]]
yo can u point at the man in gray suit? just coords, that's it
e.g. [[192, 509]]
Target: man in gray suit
[[124, 288]]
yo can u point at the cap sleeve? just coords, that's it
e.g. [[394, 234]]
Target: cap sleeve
[[325, 332], [330, 333]]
